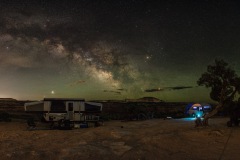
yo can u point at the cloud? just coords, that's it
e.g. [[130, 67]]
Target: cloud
[[180, 87], [77, 83], [121, 89], [110, 91], [24, 52], [154, 90], [15, 61], [168, 88]]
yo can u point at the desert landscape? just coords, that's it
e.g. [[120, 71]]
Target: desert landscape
[[119, 80], [149, 139], [166, 135]]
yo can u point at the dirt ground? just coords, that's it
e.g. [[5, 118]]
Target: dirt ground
[[134, 140]]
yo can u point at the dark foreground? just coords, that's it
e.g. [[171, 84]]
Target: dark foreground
[[151, 139]]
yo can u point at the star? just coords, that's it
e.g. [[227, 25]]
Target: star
[[148, 58]]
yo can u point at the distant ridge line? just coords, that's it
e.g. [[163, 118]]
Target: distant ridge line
[[7, 99]]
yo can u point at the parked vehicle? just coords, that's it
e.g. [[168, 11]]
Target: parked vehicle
[[197, 109], [65, 112]]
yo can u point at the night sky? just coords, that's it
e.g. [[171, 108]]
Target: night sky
[[114, 49]]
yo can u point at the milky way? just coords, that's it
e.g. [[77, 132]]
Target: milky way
[[113, 50]]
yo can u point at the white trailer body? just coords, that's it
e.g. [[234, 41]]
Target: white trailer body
[[72, 109]]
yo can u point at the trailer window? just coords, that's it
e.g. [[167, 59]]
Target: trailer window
[[195, 108], [58, 106]]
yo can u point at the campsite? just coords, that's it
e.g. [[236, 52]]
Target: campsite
[[136, 140], [119, 80], [163, 137]]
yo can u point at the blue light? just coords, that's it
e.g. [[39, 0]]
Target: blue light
[[198, 115], [188, 119]]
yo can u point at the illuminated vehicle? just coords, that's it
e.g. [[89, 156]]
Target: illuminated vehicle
[[198, 110]]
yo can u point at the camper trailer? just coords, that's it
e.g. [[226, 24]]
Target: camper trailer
[[62, 110], [198, 110]]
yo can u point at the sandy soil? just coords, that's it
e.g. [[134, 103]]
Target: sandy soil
[[135, 140]]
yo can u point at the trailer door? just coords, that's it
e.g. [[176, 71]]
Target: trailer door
[[70, 110]]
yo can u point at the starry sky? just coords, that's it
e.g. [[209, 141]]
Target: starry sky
[[106, 49]]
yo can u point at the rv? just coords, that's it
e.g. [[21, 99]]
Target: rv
[[198, 110], [62, 110]]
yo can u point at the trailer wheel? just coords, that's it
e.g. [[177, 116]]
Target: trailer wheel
[[31, 123], [61, 123], [64, 124]]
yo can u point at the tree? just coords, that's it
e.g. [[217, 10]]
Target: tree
[[224, 84]]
